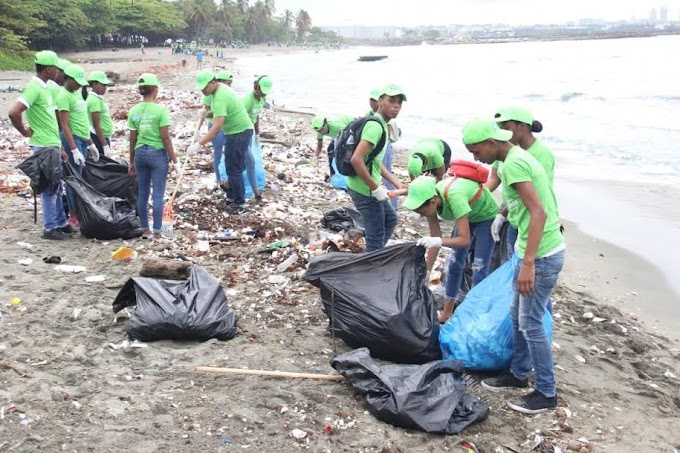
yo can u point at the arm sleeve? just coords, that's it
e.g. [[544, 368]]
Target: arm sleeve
[[515, 171], [372, 132], [458, 202], [164, 119], [63, 104]]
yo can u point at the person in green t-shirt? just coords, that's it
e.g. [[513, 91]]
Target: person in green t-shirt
[[254, 103], [151, 152], [101, 125], [225, 78], [369, 196], [540, 249], [58, 82], [75, 130], [521, 123], [328, 127], [473, 208], [43, 137], [230, 116], [429, 156], [373, 101]]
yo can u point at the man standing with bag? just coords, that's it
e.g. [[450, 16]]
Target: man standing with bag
[[371, 198], [230, 116], [43, 133]]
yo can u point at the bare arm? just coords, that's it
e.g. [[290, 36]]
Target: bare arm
[[212, 133], [97, 124], [463, 238], [167, 144], [66, 129], [15, 116], [537, 217], [257, 126], [439, 173], [319, 146], [357, 161], [435, 231], [494, 181], [391, 178], [133, 143]]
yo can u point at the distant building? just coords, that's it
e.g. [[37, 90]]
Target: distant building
[[652, 16], [663, 15], [365, 32]]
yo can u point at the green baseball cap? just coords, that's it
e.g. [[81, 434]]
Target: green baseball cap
[[375, 94], [46, 58], [265, 83], [318, 122], [518, 114], [224, 75], [63, 63], [203, 78], [482, 129], [415, 165], [100, 77], [77, 74], [147, 80], [420, 190], [393, 90]]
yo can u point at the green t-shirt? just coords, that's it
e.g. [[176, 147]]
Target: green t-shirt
[[545, 157], [207, 101], [433, 150], [457, 202], [55, 88], [520, 166], [97, 105], [37, 97], [147, 118], [253, 106], [336, 124], [75, 105], [225, 103], [372, 132]]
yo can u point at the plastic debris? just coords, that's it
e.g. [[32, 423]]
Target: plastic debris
[[25, 245], [95, 278], [124, 254], [15, 301], [298, 434], [70, 268], [25, 262]]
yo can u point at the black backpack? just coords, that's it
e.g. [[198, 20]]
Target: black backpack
[[347, 142]]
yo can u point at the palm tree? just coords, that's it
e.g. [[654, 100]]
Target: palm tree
[[303, 23], [270, 8], [199, 13], [287, 19]]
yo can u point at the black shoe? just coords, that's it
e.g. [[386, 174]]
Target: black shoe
[[68, 229], [505, 381], [55, 235], [533, 403], [238, 210]]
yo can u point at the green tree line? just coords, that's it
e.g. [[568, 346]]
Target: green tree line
[[85, 24]]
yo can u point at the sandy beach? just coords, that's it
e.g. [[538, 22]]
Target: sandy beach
[[69, 382]]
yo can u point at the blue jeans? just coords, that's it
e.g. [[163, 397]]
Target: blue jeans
[[378, 217], [82, 146], [480, 234], [511, 239], [50, 203], [530, 345], [218, 148], [151, 166], [98, 144], [236, 148], [250, 166], [387, 162]]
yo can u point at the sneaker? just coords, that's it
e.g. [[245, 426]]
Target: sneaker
[[533, 403], [238, 210], [55, 235], [505, 381], [68, 229]]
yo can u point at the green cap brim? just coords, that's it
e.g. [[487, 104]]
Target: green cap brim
[[413, 202], [201, 85], [81, 81]]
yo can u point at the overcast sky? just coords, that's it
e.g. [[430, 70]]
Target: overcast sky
[[442, 12]]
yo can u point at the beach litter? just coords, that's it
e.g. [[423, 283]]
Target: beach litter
[[70, 268]]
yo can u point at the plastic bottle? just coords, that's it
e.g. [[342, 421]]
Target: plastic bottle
[[286, 264]]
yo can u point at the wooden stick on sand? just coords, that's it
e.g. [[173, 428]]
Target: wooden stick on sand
[[279, 374]]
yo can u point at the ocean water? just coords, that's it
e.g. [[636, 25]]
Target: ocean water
[[610, 111]]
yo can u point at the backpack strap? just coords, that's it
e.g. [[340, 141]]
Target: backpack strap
[[474, 200], [376, 150]]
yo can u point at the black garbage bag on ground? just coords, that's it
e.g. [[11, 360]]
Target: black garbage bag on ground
[[191, 310], [101, 217], [44, 169], [343, 219], [379, 300], [111, 178], [430, 397]]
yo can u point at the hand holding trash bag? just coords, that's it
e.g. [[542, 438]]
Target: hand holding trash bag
[[78, 157], [496, 227], [430, 242], [94, 152]]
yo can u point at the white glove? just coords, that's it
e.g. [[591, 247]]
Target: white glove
[[496, 227], [94, 152], [381, 193], [78, 157], [194, 148], [107, 150], [430, 242]]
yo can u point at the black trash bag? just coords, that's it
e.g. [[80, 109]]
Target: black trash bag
[[44, 169], [111, 178], [430, 397], [101, 217], [343, 219], [381, 301], [192, 310]]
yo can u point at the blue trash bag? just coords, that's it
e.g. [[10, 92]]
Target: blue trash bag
[[338, 180], [479, 334], [260, 174]]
